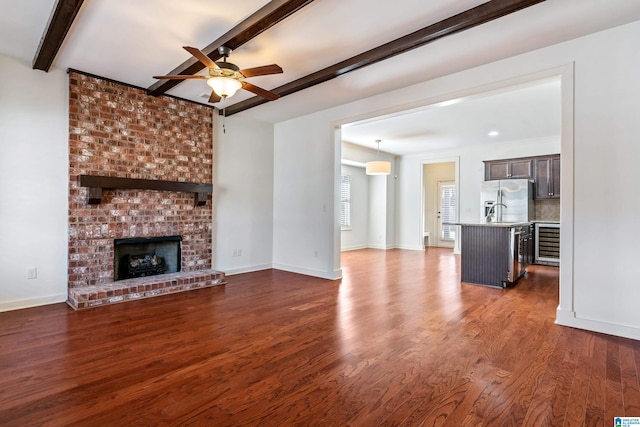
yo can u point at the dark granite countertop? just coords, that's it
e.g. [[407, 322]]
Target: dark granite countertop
[[491, 224]]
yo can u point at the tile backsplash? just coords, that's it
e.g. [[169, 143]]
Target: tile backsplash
[[547, 209]]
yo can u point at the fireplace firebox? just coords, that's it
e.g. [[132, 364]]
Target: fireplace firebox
[[146, 256]]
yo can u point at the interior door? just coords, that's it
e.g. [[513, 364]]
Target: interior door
[[447, 212]]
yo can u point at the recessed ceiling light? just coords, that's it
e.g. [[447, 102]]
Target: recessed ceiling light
[[494, 133], [450, 102]]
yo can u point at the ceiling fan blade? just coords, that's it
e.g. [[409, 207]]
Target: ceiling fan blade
[[180, 77], [262, 71], [200, 56], [259, 91], [214, 97]]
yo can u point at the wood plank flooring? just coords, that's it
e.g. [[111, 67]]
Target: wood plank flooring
[[398, 341]]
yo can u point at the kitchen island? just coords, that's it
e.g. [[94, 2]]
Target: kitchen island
[[495, 253]]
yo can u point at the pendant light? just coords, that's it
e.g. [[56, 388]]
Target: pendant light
[[378, 167]]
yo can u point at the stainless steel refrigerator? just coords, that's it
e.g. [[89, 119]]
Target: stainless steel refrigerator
[[507, 200]]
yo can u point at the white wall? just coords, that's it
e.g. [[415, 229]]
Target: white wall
[[606, 170], [306, 198], [377, 221], [243, 195], [391, 206], [34, 165], [597, 289]]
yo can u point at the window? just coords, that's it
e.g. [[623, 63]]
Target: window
[[345, 201], [448, 211]]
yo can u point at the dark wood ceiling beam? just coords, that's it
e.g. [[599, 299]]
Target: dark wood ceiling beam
[[58, 26], [265, 18], [463, 21]]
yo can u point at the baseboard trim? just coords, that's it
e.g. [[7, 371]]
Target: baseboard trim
[[570, 318], [411, 247], [353, 248], [383, 247], [249, 269], [32, 302], [330, 275]]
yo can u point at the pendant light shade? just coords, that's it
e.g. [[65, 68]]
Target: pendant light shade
[[224, 87], [378, 167]]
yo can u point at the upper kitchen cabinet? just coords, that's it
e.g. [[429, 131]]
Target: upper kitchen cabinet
[[508, 168], [547, 177], [544, 170]]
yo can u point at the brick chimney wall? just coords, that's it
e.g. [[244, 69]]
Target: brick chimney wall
[[118, 130]]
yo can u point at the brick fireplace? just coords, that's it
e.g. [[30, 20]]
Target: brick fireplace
[[118, 131]]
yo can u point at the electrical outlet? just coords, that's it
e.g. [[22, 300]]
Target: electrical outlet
[[239, 252], [32, 273]]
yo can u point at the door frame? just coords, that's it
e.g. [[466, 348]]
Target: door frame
[[456, 161]]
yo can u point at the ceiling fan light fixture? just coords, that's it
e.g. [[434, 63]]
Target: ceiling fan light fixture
[[224, 87], [226, 78]]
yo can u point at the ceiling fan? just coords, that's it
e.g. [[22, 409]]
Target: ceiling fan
[[226, 78]]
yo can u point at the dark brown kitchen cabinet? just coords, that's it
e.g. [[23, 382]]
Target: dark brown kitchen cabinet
[[547, 177], [508, 168]]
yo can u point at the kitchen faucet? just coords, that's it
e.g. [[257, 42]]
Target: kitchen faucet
[[488, 217]]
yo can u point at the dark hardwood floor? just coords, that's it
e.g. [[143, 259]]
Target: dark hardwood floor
[[399, 341]]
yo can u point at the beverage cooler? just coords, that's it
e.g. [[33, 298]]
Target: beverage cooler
[[547, 243]]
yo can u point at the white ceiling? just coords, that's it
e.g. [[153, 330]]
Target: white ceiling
[[530, 111], [130, 41]]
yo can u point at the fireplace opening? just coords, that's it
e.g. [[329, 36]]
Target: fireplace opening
[[146, 256]]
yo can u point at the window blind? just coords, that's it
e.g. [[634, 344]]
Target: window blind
[[345, 201], [448, 211]]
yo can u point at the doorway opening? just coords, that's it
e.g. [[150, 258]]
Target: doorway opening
[[440, 204]]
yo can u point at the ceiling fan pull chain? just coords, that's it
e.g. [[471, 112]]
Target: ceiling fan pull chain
[[224, 118]]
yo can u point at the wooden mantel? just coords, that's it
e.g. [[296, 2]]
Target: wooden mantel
[[97, 183]]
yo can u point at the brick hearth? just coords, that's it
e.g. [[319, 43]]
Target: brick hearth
[[118, 131], [142, 287]]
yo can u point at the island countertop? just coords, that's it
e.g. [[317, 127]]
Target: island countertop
[[490, 224]]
